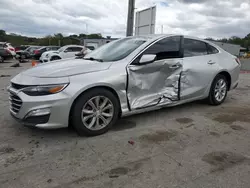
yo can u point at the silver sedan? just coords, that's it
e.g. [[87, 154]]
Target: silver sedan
[[128, 76]]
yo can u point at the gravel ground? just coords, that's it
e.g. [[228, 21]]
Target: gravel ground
[[193, 145]]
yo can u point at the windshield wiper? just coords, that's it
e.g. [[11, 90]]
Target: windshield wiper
[[93, 59]]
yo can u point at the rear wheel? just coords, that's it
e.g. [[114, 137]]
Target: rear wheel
[[95, 112], [218, 91]]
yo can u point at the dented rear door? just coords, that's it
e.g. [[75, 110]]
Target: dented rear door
[[156, 83], [199, 68]]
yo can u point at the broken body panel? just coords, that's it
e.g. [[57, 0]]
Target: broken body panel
[[153, 84]]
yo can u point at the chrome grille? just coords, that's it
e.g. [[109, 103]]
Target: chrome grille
[[15, 103]]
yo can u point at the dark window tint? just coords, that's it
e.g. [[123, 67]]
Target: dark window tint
[[194, 48], [91, 47], [77, 49], [70, 49], [166, 48], [74, 49], [3, 45], [211, 49], [55, 48], [42, 49]]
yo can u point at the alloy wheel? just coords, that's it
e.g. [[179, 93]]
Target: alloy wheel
[[97, 113], [220, 90]]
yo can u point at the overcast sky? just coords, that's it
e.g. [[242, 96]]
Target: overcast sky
[[203, 18]]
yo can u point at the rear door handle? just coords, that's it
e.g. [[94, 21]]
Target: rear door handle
[[211, 62]]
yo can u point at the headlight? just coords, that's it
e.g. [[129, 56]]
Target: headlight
[[44, 90]]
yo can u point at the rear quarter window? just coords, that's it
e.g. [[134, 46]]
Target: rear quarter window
[[211, 49]]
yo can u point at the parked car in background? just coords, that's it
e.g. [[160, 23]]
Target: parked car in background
[[5, 54], [27, 53], [31, 49], [9, 47], [22, 47], [91, 47], [44, 56], [67, 51], [40, 51], [83, 52], [127, 76]]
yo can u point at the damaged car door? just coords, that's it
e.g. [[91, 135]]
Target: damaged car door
[[153, 77], [199, 67]]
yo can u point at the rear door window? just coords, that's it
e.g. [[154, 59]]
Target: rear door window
[[194, 48]]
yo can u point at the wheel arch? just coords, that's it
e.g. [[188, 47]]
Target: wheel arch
[[55, 55], [228, 77], [107, 87]]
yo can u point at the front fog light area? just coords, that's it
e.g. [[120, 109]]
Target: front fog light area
[[38, 112], [38, 116]]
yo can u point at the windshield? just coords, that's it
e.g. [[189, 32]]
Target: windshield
[[30, 49], [116, 50], [61, 49]]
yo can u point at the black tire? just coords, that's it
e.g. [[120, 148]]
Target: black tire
[[54, 58], [76, 118], [1, 59], [212, 99], [23, 56]]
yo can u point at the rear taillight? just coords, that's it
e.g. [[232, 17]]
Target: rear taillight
[[36, 52], [17, 49], [11, 49], [238, 61]]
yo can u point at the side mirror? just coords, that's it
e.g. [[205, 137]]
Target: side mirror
[[147, 58], [66, 51]]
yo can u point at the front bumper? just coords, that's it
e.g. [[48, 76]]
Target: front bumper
[[57, 108], [32, 121]]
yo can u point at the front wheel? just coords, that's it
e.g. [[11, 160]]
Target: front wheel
[[218, 91], [95, 112]]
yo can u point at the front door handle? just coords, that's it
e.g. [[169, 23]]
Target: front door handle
[[211, 62]]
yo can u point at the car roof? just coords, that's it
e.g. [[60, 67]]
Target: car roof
[[72, 46], [150, 36]]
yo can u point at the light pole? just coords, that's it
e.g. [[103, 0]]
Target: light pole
[[130, 21]]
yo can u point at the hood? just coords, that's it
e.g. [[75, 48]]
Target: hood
[[55, 52], [51, 51], [66, 67]]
